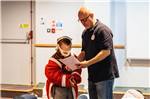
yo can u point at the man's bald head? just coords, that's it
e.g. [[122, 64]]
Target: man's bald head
[[84, 11], [86, 17]]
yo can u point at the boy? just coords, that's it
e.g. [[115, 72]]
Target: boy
[[61, 80]]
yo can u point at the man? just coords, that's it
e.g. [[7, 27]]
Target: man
[[61, 80], [98, 51]]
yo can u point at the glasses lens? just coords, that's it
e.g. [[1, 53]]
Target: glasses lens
[[83, 20]]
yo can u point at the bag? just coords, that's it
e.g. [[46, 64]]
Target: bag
[[26, 96]]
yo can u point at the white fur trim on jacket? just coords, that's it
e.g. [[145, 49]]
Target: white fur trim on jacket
[[50, 90], [63, 83], [74, 93], [57, 62], [76, 73]]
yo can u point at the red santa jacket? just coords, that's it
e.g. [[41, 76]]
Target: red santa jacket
[[55, 76]]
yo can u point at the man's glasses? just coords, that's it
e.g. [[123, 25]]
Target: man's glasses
[[83, 20]]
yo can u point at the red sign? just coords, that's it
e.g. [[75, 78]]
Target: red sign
[[53, 30], [53, 24]]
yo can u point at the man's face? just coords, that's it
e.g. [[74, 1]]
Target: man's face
[[85, 20]]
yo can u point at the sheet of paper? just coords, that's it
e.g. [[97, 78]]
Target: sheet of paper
[[70, 62]]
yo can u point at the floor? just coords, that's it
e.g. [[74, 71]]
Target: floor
[[81, 87], [14, 87], [124, 89]]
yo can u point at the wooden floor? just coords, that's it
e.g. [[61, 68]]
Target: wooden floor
[[11, 91], [16, 87], [5, 98]]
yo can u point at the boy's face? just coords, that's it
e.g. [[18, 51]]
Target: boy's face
[[65, 49]]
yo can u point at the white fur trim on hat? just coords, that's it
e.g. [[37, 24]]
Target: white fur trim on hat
[[57, 47], [64, 37]]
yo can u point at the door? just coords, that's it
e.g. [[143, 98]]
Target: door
[[16, 49]]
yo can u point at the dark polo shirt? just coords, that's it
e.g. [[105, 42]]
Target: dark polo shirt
[[107, 68]]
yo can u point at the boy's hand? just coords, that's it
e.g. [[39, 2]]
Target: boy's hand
[[67, 68], [72, 81]]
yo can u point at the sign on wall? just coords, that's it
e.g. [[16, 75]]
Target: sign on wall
[[56, 26], [23, 25]]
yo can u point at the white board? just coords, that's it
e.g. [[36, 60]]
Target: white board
[[137, 30]]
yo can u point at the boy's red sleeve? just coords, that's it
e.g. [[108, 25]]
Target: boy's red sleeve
[[77, 75], [54, 74]]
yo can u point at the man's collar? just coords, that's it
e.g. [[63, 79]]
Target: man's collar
[[93, 28]]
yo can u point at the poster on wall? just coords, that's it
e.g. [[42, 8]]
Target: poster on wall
[[56, 26]]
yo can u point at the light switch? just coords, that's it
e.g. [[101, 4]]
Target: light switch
[[48, 30], [42, 20]]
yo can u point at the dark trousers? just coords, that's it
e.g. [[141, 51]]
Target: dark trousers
[[62, 93]]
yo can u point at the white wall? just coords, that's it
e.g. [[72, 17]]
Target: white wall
[[101, 10]]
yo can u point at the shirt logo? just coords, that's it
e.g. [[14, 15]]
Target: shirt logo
[[93, 37]]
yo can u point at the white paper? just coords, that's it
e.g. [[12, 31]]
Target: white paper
[[70, 62]]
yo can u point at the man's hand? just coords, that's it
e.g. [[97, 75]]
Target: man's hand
[[72, 81], [83, 64], [99, 57]]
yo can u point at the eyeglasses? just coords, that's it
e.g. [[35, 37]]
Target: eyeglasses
[[83, 20], [65, 49]]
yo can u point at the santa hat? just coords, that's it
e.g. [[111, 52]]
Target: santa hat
[[64, 37], [60, 38]]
